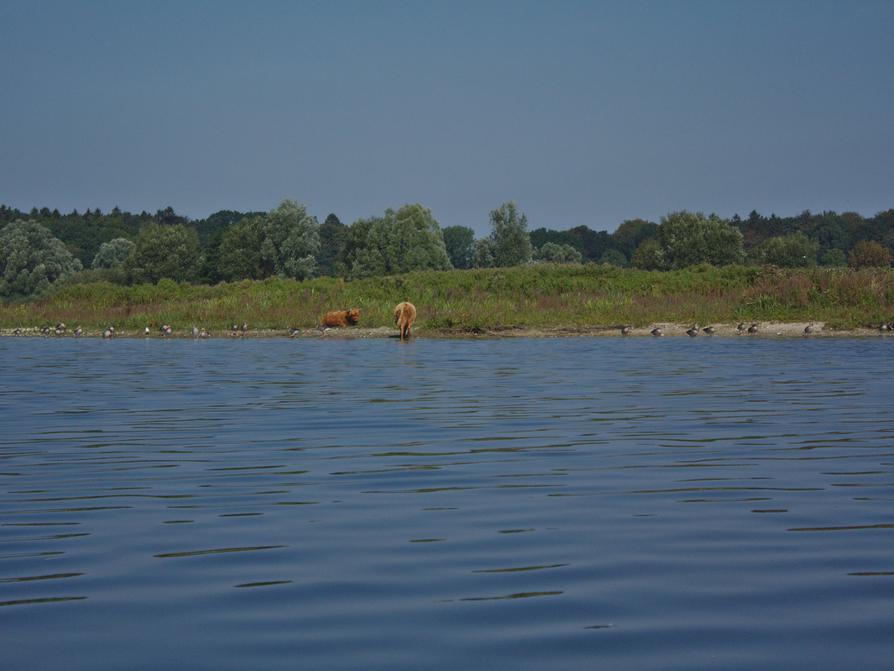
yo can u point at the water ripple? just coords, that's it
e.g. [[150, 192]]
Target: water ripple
[[541, 504]]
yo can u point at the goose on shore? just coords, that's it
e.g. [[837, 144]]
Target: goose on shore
[[657, 332], [625, 330], [204, 334], [741, 327], [78, 331], [109, 333], [244, 328], [165, 329], [294, 331], [709, 330], [234, 330], [146, 332], [808, 329], [884, 327], [195, 331], [692, 331], [752, 328], [60, 328]]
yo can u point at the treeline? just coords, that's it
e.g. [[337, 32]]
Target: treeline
[[41, 247]]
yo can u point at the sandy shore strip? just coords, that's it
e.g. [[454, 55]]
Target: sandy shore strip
[[763, 330]]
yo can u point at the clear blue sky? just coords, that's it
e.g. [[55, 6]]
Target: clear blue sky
[[582, 112]]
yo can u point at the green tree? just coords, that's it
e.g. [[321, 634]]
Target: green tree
[[32, 260], [333, 238], [551, 252], [512, 246], [833, 257], [460, 244], [649, 255], [788, 251], [483, 257], [614, 257], [401, 241], [113, 254], [690, 238], [240, 251], [165, 217], [291, 240], [631, 233], [170, 251], [869, 254]]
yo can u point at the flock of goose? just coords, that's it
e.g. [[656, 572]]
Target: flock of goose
[[238, 331], [109, 332], [741, 329]]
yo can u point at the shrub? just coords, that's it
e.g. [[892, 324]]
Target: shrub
[[32, 260], [869, 254]]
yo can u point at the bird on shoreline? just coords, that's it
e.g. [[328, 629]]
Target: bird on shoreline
[[244, 328], [109, 333], [165, 330], [78, 331], [752, 329], [60, 328], [146, 332], [692, 331], [195, 331], [657, 332], [741, 327], [204, 334], [234, 330], [709, 330], [808, 329], [625, 330]]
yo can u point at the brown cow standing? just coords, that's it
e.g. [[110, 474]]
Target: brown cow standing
[[340, 318], [404, 316]]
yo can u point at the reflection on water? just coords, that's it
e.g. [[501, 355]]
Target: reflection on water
[[549, 504]]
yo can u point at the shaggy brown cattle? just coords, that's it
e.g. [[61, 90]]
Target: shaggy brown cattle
[[404, 316], [340, 318]]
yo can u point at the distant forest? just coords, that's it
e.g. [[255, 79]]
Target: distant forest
[[229, 245]]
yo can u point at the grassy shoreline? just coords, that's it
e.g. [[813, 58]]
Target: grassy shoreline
[[541, 297]]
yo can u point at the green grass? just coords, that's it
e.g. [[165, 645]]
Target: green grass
[[465, 300]]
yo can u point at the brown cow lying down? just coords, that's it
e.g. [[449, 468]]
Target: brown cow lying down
[[340, 318], [404, 316]]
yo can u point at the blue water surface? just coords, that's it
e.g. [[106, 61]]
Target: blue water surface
[[446, 504]]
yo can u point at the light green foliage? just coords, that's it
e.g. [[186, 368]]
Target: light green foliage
[[512, 246], [113, 254], [483, 256], [552, 252], [399, 242], [165, 251], [614, 257], [460, 244], [291, 241], [240, 251], [833, 257], [869, 254], [795, 250], [649, 255], [690, 238], [32, 260]]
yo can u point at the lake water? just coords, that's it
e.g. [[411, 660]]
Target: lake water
[[446, 504]]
